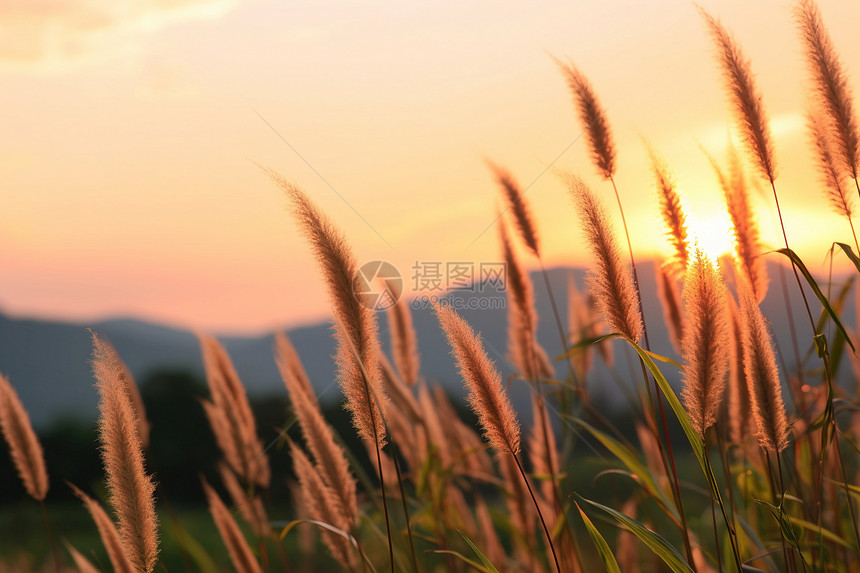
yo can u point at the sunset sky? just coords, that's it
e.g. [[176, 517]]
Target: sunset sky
[[131, 130]]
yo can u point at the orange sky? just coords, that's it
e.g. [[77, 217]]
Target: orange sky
[[130, 130]]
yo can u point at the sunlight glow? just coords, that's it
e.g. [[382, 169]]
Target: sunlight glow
[[712, 234]]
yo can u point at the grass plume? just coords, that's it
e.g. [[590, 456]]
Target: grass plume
[[355, 325], [744, 98], [673, 214], [241, 556], [762, 376], [486, 394], [519, 209], [322, 504], [748, 245], [250, 506], [593, 118], [131, 489], [828, 169], [670, 301], [609, 282], [331, 462], [107, 532], [830, 83], [524, 352], [230, 415], [24, 446], [404, 343], [706, 339]]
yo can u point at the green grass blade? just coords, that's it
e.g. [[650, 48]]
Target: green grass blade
[[488, 566], [470, 562], [692, 436], [792, 256], [656, 543], [631, 460], [825, 533], [603, 550], [849, 252], [785, 528]]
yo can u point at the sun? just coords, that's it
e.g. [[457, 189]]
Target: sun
[[712, 234]]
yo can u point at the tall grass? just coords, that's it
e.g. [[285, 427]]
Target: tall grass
[[758, 479]]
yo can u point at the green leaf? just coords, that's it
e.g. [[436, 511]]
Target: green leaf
[[603, 550], [582, 344], [826, 533], [661, 548], [850, 254], [328, 527], [692, 436], [798, 264], [464, 559], [631, 460], [199, 555], [488, 566], [665, 359], [785, 527]]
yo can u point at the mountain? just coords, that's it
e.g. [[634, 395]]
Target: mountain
[[48, 362]]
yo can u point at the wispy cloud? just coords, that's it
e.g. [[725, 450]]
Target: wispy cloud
[[53, 35]]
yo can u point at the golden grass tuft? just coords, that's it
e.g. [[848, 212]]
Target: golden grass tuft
[[82, 563], [828, 169], [250, 506], [748, 245], [670, 301], [321, 504], [131, 489], [404, 343], [355, 325], [543, 452], [290, 365], [830, 83], [486, 394], [491, 544], [740, 418], [706, 349], [762, 375], [744, 98], [609, 282], [230, 415], [593, 118], [241, 556], [107, 532], [24, 446], [673, 214], [519, 209], [330, 458], [111, 540], [581, 325], [524, 352]]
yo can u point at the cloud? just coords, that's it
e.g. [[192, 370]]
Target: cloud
[[47, 35]]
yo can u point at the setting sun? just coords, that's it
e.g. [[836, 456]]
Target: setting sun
[[712, 234]]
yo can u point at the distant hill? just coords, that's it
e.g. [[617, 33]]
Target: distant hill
[[48, 362]]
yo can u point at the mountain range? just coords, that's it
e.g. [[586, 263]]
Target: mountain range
[[48, 362]]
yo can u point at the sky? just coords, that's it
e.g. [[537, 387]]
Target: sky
[[132, 132]]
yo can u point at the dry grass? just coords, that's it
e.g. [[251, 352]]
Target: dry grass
[[751, 442], [131, 489], [24, 446]]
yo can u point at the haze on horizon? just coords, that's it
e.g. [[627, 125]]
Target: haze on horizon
[[132, 129]]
